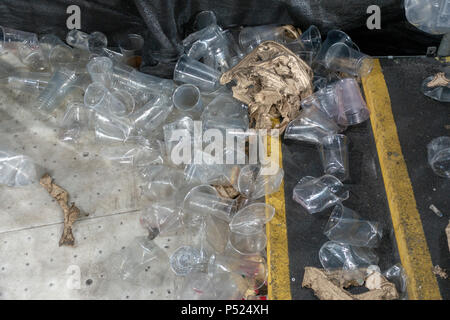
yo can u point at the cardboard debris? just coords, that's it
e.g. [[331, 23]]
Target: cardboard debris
[[439, 80], [325, 286], [71, 212], [437, 270], [272, 81]]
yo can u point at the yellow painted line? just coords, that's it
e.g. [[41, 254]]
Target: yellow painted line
[[279, 285], [412, 245]]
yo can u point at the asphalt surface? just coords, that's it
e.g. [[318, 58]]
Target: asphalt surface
[[419, 120], [367, 197]]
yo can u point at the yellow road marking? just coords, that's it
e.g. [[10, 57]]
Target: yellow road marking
[[279, 286], [412, 245]]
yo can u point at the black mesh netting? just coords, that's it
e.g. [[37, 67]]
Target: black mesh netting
[[164, 23]]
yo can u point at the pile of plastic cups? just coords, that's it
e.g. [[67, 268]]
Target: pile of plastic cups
[[224, 240]]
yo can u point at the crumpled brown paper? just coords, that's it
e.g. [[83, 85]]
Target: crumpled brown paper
[[272, 81], [326, 286]]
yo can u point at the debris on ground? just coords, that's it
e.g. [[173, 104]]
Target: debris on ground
[[71, 212], [439, 80], [272, 81], [436, 210], [447, 232], [325, 286], [437, 270]]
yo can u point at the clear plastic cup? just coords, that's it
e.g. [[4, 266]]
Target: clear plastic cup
[[252, 218], [349, 260], [130, 263], [161, 219], [439, 156], [252, 268], [352, 102], [109, 125], [202, 201], [188, 70], [248, 244], [311, 39], [33, 57], [74, 121], [152, 115], [12, 39], [340, 57], [310, 126], [317, 194], [94, 42], [58, 87], [254, 185], [161, 183], [29, 81], [131, 45], [206, 36], [184, 260], [326, 100], [251, 37], [16, 169], [187, 99], [334, 36], [56, 51], [346, 226], [204, 19], [174, 134], [334, 156], [197, 286], [100, 69]]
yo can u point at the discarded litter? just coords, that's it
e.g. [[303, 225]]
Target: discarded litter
[[174, 134]]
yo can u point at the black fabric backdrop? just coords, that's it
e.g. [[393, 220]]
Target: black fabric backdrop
[[164, 23]]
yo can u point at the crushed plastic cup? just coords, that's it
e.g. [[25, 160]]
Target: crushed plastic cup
[[130, 264], [333, 37], [248, 244], [439, 93], [117, 102], [188, 70], [439, 156], [317, 194], [333, 151], [252, 268], [94, 42], [352, 102], [310, 126], [16, 170], [252, 218], [184, 260], [341, 57], [251, 37], [100, 69], [56, 51], [58, 87], [203, 201], [350, 260], [187, 99], [326, 100], [346, 226], [254, 184], [33, 57], [161, 219]]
